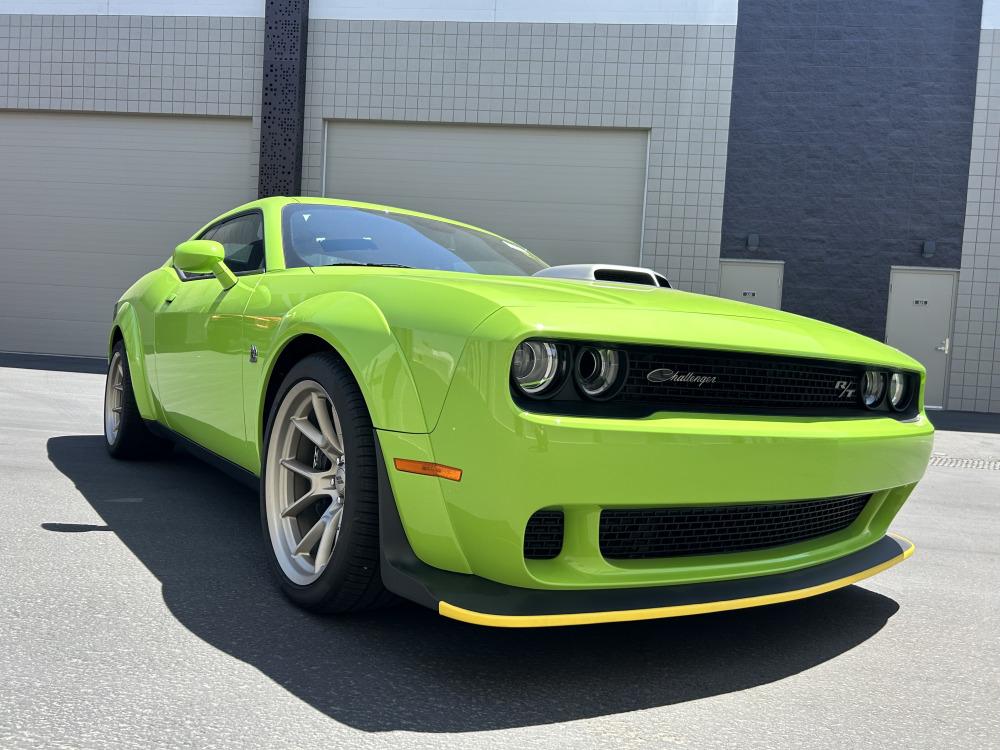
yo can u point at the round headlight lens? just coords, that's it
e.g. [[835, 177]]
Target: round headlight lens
[[535, 366], [899, 391], [599, 371], [873, 388]]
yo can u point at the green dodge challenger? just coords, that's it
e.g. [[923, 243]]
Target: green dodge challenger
[[431, 412]]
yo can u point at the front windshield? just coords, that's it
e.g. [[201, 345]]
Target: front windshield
[[326, 235]]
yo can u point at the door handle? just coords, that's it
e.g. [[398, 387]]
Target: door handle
[[945, 345], [170, 298]]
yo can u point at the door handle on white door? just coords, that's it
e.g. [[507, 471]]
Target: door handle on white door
[[944, 346]]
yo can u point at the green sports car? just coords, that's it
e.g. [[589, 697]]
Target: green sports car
[[429, 411]]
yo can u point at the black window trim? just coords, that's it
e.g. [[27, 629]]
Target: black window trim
[[214, 225]]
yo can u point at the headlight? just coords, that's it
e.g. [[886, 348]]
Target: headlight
[[873, 388], [899, 391], [599, 372], [536, 367]]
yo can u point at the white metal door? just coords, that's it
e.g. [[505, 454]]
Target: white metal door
[[93, 201], [570, 195], [919, 321], [754, 281]]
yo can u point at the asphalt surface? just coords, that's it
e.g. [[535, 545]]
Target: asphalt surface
[[136, 611]]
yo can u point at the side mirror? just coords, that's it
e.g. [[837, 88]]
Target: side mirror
[[204, 256]]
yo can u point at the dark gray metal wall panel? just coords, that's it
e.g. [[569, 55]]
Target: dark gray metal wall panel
[[283, 91], [849, 145]]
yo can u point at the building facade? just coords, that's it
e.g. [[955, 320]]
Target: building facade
[[835, 159]]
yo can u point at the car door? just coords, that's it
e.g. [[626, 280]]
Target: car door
[[199, 343]]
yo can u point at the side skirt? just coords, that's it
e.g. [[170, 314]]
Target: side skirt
[[241, 475]]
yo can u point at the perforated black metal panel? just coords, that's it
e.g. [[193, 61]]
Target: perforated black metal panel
[[286, 25]]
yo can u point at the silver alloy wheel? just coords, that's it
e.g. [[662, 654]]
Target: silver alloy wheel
[[114, 389], [305, 482]]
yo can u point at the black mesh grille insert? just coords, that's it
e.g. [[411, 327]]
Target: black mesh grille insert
[[666, 377], [717, 529], [543, 536]]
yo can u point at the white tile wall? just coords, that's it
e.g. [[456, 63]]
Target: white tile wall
[[136, 64], [975, 370], [532, 11], [674, 80], [544, 11]]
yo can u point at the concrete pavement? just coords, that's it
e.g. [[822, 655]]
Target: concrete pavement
[[137, 611]]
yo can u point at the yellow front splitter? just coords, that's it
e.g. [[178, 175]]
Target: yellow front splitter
[[698, 599]]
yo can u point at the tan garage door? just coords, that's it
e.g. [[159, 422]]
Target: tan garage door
[[571, 195], [88, 203]]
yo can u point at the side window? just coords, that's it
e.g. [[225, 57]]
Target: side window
[[243, 240]]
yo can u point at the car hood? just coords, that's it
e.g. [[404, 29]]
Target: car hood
[[605, 311], [531, 291]]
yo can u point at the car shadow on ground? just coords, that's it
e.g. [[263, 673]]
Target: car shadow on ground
[[406, 668]]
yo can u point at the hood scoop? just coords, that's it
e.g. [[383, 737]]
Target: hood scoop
[[606, 272]]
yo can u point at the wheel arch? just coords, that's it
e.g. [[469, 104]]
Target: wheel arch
[[295, 350], [352, 327], [126, 329]]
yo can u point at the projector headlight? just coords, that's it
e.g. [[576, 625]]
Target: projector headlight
[[537, 368], [599, 372], [873, 388], [900, 391]]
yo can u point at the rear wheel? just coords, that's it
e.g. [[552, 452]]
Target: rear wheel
[[319, 494], [125, 434]]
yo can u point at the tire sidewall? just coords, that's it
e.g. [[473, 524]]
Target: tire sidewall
[[316, 593], [114, 446]]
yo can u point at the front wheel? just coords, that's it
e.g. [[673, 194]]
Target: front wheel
[[319, 491]]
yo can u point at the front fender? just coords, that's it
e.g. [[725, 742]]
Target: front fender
[[127, 321], [354, 326]]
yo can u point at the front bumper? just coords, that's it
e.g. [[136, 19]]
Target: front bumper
[[475, 600], [517, 462]]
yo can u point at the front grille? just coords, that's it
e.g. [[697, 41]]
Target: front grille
[[543, 536], [635, 534], [698, 379]]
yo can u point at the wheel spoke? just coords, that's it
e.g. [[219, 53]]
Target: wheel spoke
[[297, 467], [325, 548], [304, 516], [311, 537], [301, 504], [330, 433], [303, 425]]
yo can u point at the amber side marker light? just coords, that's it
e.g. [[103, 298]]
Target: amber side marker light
[[429, 469]]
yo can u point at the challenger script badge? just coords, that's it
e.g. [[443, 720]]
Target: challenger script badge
[[666, 375]]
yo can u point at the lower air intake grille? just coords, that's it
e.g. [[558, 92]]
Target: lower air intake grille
[[718, 529], [543, 536]]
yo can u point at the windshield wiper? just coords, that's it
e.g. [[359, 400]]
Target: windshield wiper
[[373, 265]]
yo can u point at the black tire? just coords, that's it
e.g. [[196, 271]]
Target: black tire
[[352, 581], [133, 440]]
